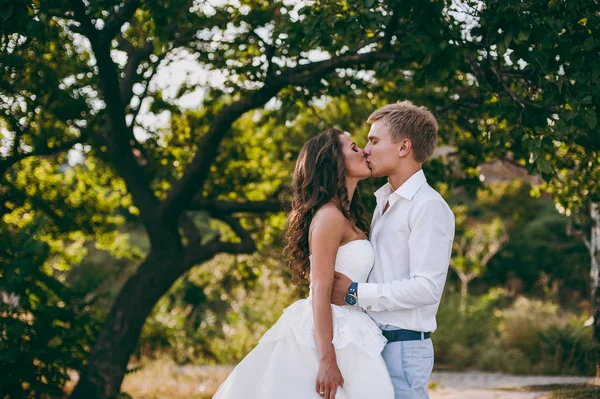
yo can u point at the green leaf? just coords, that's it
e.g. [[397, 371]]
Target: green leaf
[[591, 119], [523, 36], [589, 44], [569, 115], [544, 165], [6, 12], [507, 40]]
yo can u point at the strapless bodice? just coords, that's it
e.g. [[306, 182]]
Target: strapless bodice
[[350, 324], [354, 259]]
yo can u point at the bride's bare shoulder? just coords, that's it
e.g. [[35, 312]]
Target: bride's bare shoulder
[[329, 213], [328, 222]]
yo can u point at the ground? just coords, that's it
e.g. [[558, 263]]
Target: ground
[[481, 385], [163, 379]]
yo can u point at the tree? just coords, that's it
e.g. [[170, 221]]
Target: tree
[[538, 250], [79, 74], [506, 82], [533, 71], [476, 244]]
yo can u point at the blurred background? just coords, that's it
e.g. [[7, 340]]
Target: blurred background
[[147, 150]]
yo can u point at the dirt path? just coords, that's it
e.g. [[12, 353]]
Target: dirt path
[[483, 394], [481, 385], [448, 384]]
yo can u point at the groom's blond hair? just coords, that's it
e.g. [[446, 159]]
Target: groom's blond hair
[[405, 120]]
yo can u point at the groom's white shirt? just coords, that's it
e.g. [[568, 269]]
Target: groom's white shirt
[[412, 242]]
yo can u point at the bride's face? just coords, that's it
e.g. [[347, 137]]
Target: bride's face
[[354, 158]]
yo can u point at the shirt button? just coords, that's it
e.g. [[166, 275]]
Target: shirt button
[[368, 307]]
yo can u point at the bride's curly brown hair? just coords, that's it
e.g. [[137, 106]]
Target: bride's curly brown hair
[[319, 177]]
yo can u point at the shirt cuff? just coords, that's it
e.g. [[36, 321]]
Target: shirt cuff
[[368, 295]]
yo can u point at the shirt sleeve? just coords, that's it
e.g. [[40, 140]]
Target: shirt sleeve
[[430, 246]]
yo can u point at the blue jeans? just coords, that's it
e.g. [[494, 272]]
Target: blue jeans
[[410, 364]]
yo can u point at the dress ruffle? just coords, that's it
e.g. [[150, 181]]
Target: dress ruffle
[[350, 325]]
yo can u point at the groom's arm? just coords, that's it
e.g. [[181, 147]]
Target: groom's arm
[[430, 246]]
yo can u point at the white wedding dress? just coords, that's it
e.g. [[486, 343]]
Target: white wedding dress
[[285, 362]]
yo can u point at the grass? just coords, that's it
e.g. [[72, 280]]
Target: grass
[[575, 392], [162, 379], [562, 391]]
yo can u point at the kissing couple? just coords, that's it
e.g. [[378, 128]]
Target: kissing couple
[[364, 330]]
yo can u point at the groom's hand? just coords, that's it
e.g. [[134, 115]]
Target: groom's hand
[[341, 283]]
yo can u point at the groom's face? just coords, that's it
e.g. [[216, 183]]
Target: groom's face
[[381, 151]]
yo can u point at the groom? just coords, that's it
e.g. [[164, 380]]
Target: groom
[[411, 233]]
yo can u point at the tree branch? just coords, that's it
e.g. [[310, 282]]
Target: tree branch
[[119, 137], [116, 20], [574, 232], [191, 232], [81, 16], [6, 163], [304, 74], [392, 25], [228, 207], [469, 102], [236, 226], [496, 247], [134, 57], [197, 172], [196, 254], [146, 89]]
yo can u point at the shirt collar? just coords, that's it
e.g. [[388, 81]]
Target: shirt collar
[[406, 190]]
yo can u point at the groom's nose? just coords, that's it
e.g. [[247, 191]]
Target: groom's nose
[[367, 150]]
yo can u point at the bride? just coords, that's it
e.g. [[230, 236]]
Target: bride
[[316, 349]]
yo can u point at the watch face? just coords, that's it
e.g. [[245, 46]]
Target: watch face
[[350, 300]]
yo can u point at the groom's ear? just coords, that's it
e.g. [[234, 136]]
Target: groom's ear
[[404, 148]]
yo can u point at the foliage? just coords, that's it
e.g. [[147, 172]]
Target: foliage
[[46, 328], [465, 333], [218, 312], [539, 259], [523, 337], [536, 67], [475, 244], [259, 49], [508, 82]]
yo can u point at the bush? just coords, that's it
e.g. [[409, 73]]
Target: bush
[[523, 322], [555, 342], [568, 350], [527, 336], [458, 335], [218, 312], [496, 358], [46, 330]]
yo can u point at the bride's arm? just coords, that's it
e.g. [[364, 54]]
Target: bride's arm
[[327, 232]]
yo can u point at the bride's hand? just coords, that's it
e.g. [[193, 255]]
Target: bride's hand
[[341, 283], [329, 377]]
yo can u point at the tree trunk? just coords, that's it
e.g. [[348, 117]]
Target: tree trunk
[[107, 364], [464, 291], [594, 248]]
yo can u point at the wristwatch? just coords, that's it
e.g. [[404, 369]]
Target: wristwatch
[[351, 298]]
